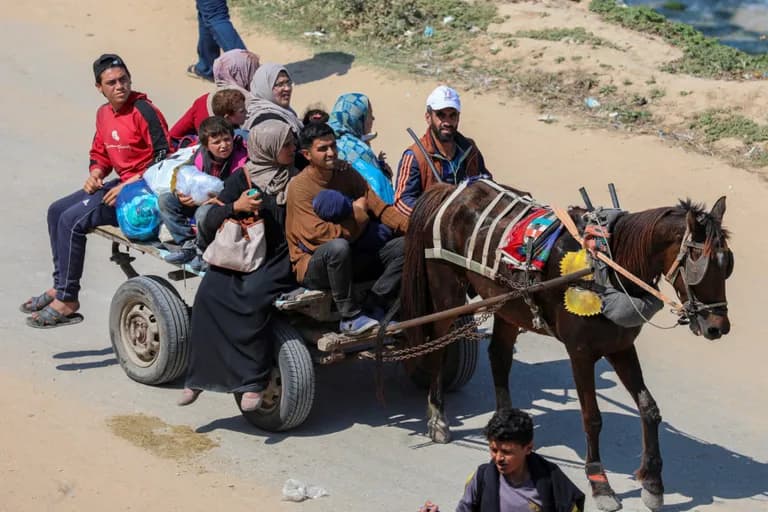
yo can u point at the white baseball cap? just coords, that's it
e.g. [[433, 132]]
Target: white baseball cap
[[444, 97]]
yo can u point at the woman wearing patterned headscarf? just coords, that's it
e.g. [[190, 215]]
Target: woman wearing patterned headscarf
[[232, 70], [231, 342], [352, 121]]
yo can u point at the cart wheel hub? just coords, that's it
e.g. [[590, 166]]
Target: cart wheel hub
[[141, 334]]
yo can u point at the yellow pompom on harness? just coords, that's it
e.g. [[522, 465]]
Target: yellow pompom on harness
[[579, 301]]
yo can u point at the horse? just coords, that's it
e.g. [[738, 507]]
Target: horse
[[684, 243]]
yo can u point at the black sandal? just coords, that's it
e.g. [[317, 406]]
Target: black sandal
[[35, 304], [49, 318]]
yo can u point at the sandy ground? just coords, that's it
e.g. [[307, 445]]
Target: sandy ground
[[61, 387]]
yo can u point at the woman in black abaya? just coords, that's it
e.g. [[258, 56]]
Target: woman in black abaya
[[230, 344]]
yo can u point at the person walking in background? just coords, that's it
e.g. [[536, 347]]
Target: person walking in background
[[216, 34]]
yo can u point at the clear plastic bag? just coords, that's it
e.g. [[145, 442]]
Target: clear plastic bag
[[198, 185], [160, 175], [296, 490]]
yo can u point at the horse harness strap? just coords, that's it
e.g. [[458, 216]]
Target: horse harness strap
[[467, 259], [692, 272]]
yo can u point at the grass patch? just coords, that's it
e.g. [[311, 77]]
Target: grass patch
[[674, 6], [702, 56], [633, 116], [578, 35], [395, 33], [719, 124]]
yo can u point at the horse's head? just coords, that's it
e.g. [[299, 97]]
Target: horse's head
[[698, 263]]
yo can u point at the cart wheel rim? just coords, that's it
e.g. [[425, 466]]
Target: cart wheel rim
[[140, 334]]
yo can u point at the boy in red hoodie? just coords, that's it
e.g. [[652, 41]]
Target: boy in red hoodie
[[131, 134]]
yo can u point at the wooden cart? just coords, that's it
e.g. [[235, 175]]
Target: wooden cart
[[149, 326]]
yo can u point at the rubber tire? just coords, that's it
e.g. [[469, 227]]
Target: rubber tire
[[173, 322], [296, 372], [460, 363]]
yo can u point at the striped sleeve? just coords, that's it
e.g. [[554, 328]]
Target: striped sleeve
[[408, 181], [158, 130]]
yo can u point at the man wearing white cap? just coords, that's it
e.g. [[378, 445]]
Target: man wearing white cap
[[442, 155]]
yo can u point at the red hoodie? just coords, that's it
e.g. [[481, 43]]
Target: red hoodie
[[131, 139]]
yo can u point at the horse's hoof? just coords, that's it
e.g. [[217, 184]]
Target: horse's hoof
[[439, 433], [654, 502], [607, 502]]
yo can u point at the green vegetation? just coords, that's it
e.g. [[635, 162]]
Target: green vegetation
[[674, 6], [702, 56], [578, 35], [633, 116], [449, 39], [388, 30], [719, 124]]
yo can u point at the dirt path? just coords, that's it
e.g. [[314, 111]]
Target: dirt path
[[57, 454], [56, 451]]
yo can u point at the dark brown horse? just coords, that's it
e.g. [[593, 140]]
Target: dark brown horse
[[649, 244]]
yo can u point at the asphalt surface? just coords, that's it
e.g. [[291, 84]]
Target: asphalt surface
[[367, 455]]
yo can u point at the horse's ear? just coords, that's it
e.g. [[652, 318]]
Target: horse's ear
[[690, 221], [718, 210]]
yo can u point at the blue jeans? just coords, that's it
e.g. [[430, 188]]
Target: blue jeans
[[69, 220], [215, 34], [202, 234], [176, 218]]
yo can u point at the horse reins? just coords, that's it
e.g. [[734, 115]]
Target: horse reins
[[691, 307]]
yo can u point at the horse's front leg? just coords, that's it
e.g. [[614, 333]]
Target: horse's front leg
[[500, 353], [583, 365], [627, 366], [438, 428]]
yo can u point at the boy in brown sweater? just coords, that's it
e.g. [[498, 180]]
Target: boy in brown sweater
[[323, 240]]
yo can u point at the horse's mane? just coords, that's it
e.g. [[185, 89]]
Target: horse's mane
[[632, 236], [414, 292], [632, 239]]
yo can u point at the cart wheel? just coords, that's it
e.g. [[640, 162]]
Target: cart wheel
[[291, 392], [460, 363], [149, 329]]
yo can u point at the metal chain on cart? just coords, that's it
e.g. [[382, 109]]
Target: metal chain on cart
[[468, 331]]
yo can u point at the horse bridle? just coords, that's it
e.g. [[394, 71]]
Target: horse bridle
[[692, 272]]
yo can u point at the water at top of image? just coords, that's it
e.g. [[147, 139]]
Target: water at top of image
[[742, 24]]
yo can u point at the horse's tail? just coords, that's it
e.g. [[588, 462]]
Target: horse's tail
[[414, 291]]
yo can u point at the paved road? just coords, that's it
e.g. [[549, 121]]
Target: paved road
[[369, 456]]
